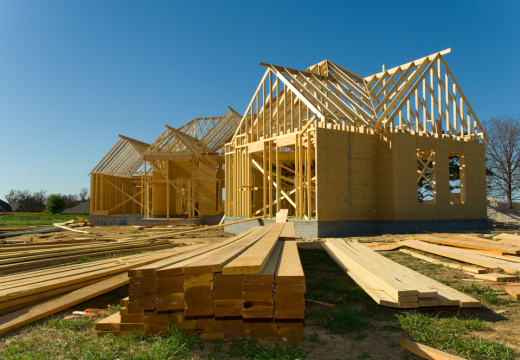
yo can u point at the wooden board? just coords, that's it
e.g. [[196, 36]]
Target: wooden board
[[471, 243], [514, 291], [216, 260], [28, 315], [290, 270], [288, 232], [109, 323], [255, 258], [472, 269], [427, 352], [281, 216], [465, 256]]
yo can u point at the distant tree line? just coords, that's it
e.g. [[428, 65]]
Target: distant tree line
[[36, 201]]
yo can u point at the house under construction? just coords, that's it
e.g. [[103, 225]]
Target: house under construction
[[345, 154], [179, 174]]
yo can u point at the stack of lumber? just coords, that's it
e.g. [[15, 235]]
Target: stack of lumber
[[389, 283], [21, 257], [223, 291], [31, 296], [26, 231]]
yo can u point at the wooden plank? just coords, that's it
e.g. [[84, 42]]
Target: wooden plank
[[464, 242], [289, 270], [464, 256], [514, 291], [281, 216], [267, 275], [28, 315], [254, 259], [216, 260], [288, 233], [109, 323], [373, 290], [446, 295], [427, 352], [195, 250], [495, 277], [472, 269]]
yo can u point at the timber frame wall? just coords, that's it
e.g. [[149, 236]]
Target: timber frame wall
[[330, 145], [181, 173]]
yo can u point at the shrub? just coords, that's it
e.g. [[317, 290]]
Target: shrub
[[55, 204]]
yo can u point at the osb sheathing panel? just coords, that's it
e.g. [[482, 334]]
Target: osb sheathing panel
[[374, 177], [207, 186], [345, 167]]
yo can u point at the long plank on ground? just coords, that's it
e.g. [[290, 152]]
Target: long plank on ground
[[464, 256], [28, 315], [470, 243]]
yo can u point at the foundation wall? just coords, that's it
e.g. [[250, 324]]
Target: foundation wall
[[325, 229]]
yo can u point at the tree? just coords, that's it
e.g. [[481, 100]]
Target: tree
[[55, 204], [33, 202], [503, 157], [83, 195]]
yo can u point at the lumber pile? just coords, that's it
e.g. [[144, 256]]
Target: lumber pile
[[30, 296], [249, 286], [484, 258], [22, 257], [18, 291], [389, 283]]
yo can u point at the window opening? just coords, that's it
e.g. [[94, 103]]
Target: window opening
[[426, 176]]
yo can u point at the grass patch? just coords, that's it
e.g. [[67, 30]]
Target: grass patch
[[342, 320], [452, 334], [486, 294], [32, 220]]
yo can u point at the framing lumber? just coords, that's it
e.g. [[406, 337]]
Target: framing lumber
[[36, 312], [472, 269], [255, 258], [427, 352], [464, 256]]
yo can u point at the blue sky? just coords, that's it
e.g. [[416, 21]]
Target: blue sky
[[76, 74]]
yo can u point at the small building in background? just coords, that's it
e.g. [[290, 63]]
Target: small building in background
[[17, 207], [4, 207], [83, 208]]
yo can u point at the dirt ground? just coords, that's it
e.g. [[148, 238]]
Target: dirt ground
[[366, 331]]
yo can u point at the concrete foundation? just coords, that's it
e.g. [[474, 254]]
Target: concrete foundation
[[138, 220], [324, 229]]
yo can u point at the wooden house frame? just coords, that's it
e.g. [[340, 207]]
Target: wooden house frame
[[180, 173], [360, 139]]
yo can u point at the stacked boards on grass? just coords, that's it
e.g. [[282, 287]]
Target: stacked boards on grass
[[249, 286], [391, 284]]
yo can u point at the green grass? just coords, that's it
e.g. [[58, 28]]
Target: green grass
[[453, 334], [31, 220], [486, 294], [342, 320]]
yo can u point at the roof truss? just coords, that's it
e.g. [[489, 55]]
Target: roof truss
[[422, 96]]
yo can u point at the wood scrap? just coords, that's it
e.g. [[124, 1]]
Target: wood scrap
[[494, 277], [513, 291], [427, 352]]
